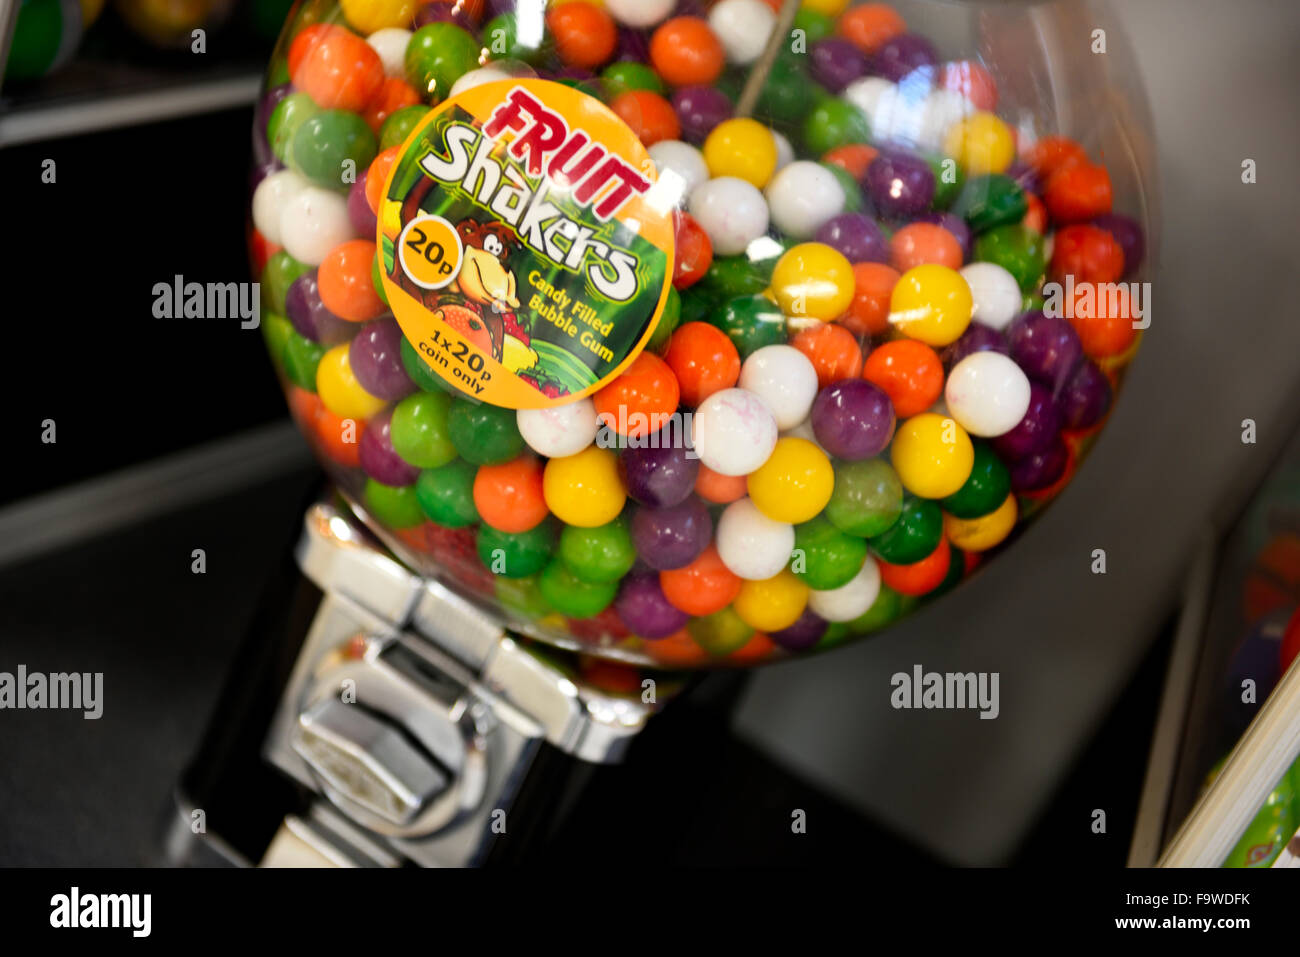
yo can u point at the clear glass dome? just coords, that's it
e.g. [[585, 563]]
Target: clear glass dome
[[677, 344]]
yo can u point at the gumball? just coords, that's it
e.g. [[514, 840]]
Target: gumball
[[795, 482], [833, 351], [900, 185], [803, 197], [806, 631], [390, 44], [750, 322], [833, 123], [826, 558], [699, 110], [572, 597], [1128, 234], [914, 535], [981, 143], [693, 251], [867, 498], [585, 35], [1078, 192], [784, 379], [932, 304], [733, 432], [301, 358], [584, 489], [853, 158], [338, 70], [703, 360], [836, 63], [395, 507], [603, 553], [856, 237], [270, 198], [970, 79], [1038, 427], [742, 27], [703, 587], [379, 459], [812, 280], [953, 224], [920, 244], [640, 13], [312, 223], [773, 603], [278, 276], [976, 338], [987, 202], [741, 148], [339, 389], [718, 488], [376, 360], [368, 16], [644, 608], [932, 454], [873, 285], [1041, 469], [1046, 347], [994, 292], [907, 371], [731, 211], [686, 52], [1087, 253], [870, 26], [483, 434], [658, 474], [446, 494], [851, 600], [1085, 399], [400, 125], [988, 484], [675, 158], [1103, 317], [987, 393], [1051, 154], [853, 419], [641, 400], [751, 544], [983, 532], [420, 432], [922, 577], [515, 554], [720, 633], [509, 496], [340, 437], [344, 282], [364, 220], [649, 115], [627, 75], [1016, 249], [901, 55], [559, 430], [437, 56]]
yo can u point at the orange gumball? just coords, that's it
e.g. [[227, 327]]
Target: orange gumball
[[585, 35], [304, 406], [833, 351], [1087, 253], [1078, 193], [678, 650], [346, 287], [394, 93], [307, 39], [921, 243], [873, 284], [1052, 154], [909, 372], [649, 115], [919, 578], [1102, 315], [377, 175], [704, 586], [340, 437], [509, 496], [870, 26], [685, 52], [853, 158], [641, 400], [718, 488], [1035, 215], [337, 69], [704, 360]]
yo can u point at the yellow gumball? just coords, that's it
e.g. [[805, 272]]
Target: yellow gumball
[[932, 304], [584, 489], [772, 603], [368, 16], [828, 8], [813, 280], [981, 143], [339, 389], [742, 148], [795, 482], [982, 533], [932, 455]]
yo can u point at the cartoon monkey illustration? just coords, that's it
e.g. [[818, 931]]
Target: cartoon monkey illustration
[[485, 280]]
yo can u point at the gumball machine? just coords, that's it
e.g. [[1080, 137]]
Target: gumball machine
[[669, 336]]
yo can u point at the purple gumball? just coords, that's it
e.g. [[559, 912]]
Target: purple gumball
[[853, 419], [376, 359], [900, 185], [901, 55], [671, 537], [977, 338], [803, 634], [644, 609], [1046, 347], [1041, 469], [856, 236], [364, 220], [310, 316], [1085, 400], [699, 109], [1035, 431], [835, 63], [658, 476], [379, 459]]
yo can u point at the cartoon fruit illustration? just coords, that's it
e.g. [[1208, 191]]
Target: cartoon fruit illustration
[[467, 323]]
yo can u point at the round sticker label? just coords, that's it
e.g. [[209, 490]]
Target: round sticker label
[[525, 247]]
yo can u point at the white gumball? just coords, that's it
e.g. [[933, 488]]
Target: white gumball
[[733, 432], [269, 199], [987, 393], [802, 197], [941, 109], [560, 430], [743, 27], [312, 223], [732, 211], [784, 151], [683, 161], [784, 379], [752, 545], [867, 93], [390, 43], [639, 13], [851, 600], [995, 293], [473, 78]]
